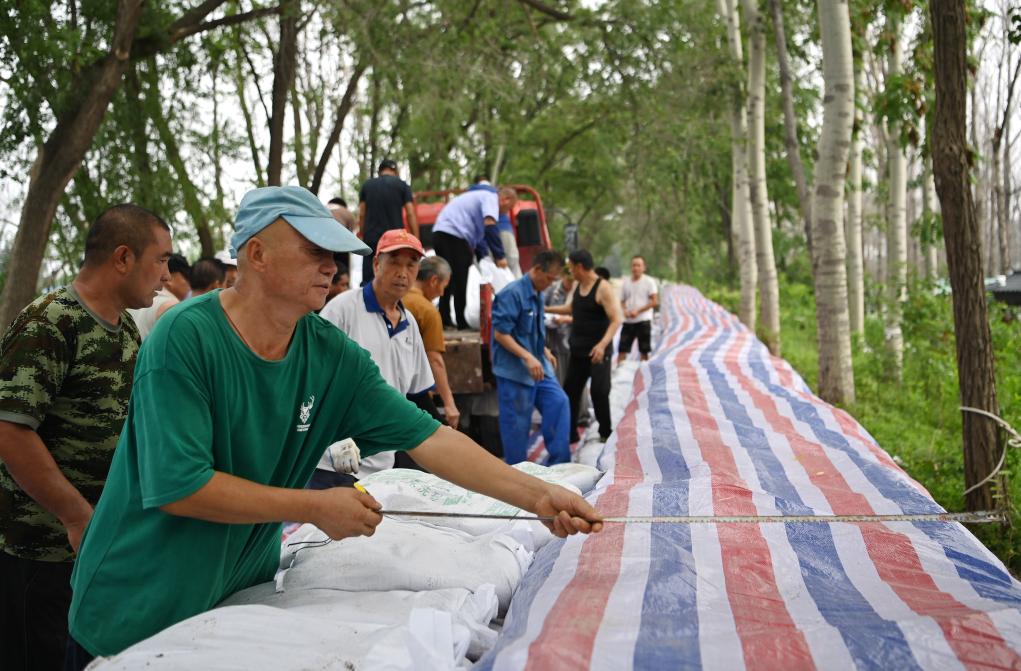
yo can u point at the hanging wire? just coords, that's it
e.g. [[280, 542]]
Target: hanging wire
[[1013, 441]]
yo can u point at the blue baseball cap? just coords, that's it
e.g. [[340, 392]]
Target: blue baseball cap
[[300, 208]]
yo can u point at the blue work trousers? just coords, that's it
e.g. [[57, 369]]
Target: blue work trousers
[[516, 403]]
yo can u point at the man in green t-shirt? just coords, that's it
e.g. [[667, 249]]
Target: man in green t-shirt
[[260, 386], [66, 366]]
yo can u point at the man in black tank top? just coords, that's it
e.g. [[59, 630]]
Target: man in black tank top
[[596, 316]]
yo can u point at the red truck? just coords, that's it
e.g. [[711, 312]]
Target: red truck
[[467, 357]]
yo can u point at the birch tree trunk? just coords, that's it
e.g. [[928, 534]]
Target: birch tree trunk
[[742, 224], [790, 121], [1013, 260], [855, 262], [950, 162], [896, 246], [836, 375], [1000, 256], [930, 249], [769, 290]]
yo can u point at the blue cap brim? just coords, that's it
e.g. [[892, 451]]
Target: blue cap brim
[[328, 233]]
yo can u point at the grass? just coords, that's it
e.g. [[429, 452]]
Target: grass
[[917, 419]]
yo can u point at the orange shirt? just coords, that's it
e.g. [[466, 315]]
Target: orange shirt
[[428, 318]]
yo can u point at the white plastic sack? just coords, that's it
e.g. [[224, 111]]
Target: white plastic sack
[[408, 489], [486, 272], [493, 275], [573, 476], [262, 637], [471, 609], [405, 556]]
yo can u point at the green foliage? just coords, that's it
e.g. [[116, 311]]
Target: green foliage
[[918, 421]]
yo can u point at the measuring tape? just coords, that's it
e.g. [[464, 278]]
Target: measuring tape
[[969, 518], [980, 517]]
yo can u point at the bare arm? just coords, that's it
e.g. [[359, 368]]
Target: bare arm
[[439, 368], [454, 457], [228, 499], [608, 300], [511, 345], [32, 466], [412, 219]]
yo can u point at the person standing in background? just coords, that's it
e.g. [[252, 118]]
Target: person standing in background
[[230, 268], [466, 227], [558, 327], [523, 365], [433, 277], [595, 318], [638, 298], [504, 225], [170, 295], [380, 204], [339, 209]]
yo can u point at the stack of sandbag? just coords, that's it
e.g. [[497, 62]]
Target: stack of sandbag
[[412, 596], [404, 555], [323, 629]]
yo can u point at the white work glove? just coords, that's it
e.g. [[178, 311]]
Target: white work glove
[[343, 456]]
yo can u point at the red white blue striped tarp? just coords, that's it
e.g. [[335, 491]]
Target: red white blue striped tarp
[[717, 426]]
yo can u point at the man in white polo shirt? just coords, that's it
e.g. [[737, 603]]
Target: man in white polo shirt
[[374, 317]]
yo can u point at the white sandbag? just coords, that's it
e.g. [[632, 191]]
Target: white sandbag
[[573, 476], [408, 489], [493, 275], [472, 609], [407, 556], [486, 272], [262, 637]]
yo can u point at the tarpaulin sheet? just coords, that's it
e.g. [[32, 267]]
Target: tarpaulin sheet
[[717, 426]]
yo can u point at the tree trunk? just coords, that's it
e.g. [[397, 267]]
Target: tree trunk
[[741, 214], [192, 204], [836, 375], [930, 249], [897, 238], [343, 109], [855, 262], [283, 79], [299, 140], [253, 147], [790, 122], [769, 291], [1013, 259], [950, 162], [1002, 262], [59, 158], [142, 193]]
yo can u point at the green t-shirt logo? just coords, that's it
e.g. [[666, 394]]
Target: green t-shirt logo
[[305, 412]]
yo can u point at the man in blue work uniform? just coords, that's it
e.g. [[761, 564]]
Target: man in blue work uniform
[[523, 365]]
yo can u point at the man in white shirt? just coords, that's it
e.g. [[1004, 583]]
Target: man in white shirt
[[374, 317], [638, 298]]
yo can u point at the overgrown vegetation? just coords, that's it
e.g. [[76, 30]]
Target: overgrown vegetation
[[917, 421]]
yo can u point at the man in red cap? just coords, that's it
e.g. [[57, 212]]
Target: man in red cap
[[375, 318]]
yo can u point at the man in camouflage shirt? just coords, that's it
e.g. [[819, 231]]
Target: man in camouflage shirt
[[66, 367]]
